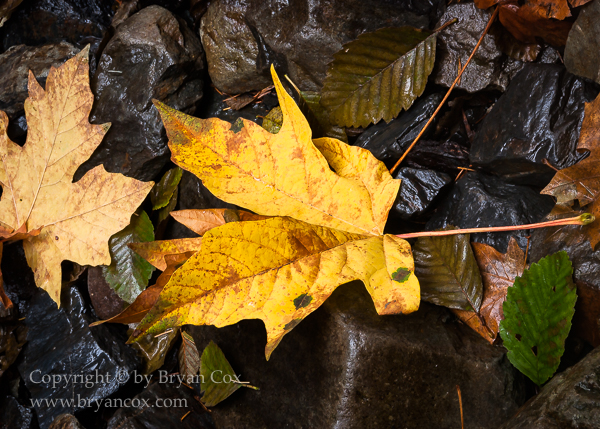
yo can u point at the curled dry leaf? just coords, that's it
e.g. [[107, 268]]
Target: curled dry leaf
[[73, 221], [582, 180], [498, 272]]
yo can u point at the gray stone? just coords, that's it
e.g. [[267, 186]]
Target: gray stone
[[242, 38], [153, 55], [15, 416], [489, 68], [583, 43], [570, 400], [15, 65], [346, 367]]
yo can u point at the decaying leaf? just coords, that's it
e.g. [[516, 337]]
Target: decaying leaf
[[128, 273], [273, 121], [377, 75], [582, 180], [448, 272], [537, 316], [498, 272], [6, 9], [189, 358], [202, 220], [72, 221], [218, 378], [526, 25], [163, 191], [154, 348], [281, 174], [280, 270]]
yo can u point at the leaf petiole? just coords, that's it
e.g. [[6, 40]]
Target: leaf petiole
[[583, 219]]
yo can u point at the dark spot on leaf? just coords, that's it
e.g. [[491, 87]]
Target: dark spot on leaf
[[302, 301], [292, 324], [56, 237], [518, 337], [237, 126], [401, 275], [553, 288], [534, 350]]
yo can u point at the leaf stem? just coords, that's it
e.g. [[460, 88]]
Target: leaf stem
[[582, 219], [489, 24]]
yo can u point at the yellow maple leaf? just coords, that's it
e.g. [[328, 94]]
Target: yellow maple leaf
[[281, 269], [58, 219]]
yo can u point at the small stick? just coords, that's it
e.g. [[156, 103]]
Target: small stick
[[584, 219], [489, 24], [185, 415], [462, 420], [452, 21]]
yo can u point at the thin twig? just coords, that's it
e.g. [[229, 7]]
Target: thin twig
[[443, 26], [584, 219], [489, 24], [462, 420]]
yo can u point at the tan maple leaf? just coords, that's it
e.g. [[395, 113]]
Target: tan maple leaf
[[58, 219]]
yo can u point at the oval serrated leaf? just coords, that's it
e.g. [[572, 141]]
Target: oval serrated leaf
[[448, 272], [537, 316], [377, 75], [189, 358], [128, 273]]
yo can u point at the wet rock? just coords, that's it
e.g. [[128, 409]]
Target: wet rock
[[104, 299], [14, 415], [520, 131], [418, 191], [163, 405], [489, 69], [214, 106], [15, 64], [569, 400], [444, 157], [37, 22], [243, 38], [66, 421], [583, 41], [345, 366], [61, 343], [387, 142], [479, 200], [153, 55]]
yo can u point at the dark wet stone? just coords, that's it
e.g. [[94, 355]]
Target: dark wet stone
[[104, 299], [37, 22], [489, 68], [213, 106], [345, 366], [153, 55], [444, 157], [569, 400], [66, 421], [583, 42], [418, 191], [478, 200], [166, 406], [243, 38], [387, 142], [14, 71], [60, 342], [14, 415], [539, 116]]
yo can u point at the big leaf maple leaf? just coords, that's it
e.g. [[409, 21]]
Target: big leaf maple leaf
[[281, 269], [58, 219]]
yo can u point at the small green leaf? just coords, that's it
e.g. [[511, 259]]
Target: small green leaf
[[162, 192], [165, 211], [377, 75], [273, 121], [189, 358], [218, 379], [128, 273], [537, 316], [447, 271]]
